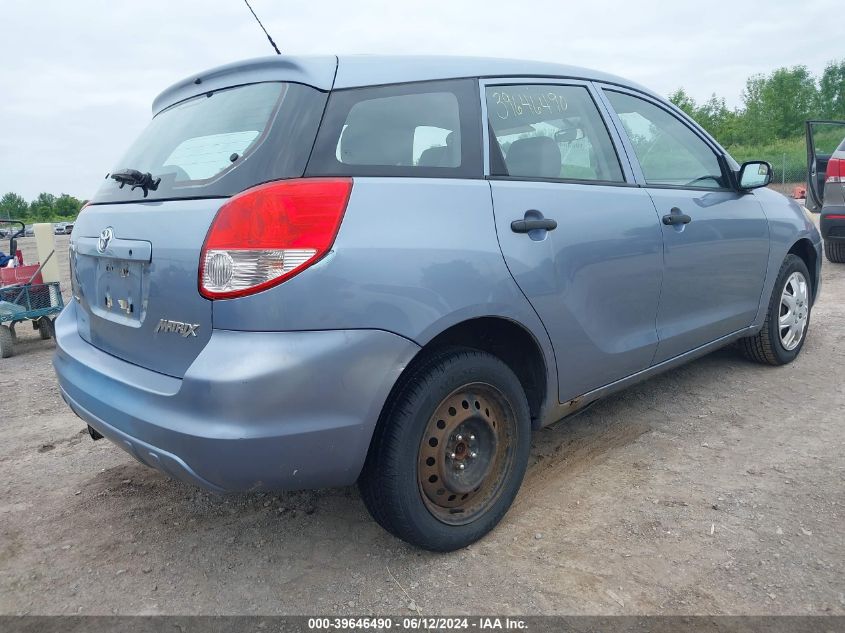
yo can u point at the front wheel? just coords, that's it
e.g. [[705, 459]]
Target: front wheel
[[450, 451], [787, 319]]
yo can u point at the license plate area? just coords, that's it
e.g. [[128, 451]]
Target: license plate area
[[120, 291], [115, 282]]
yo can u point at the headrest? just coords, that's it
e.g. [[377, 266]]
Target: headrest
[[538, 156], [364, 145]]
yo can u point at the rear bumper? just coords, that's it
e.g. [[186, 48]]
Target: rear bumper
[[254, 411], [832, 223]]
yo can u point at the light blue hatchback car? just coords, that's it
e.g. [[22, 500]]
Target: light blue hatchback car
[[311, 272]]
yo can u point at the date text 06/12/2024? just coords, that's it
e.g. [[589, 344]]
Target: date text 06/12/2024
[[414, 623]]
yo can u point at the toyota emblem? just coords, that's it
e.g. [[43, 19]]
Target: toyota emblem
[[105, 239]]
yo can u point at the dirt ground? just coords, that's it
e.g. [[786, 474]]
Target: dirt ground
[[717, 488]]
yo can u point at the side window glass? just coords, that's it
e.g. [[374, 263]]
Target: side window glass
[[414, 129], [399, 130], [549, 132], [436, 147], [669, 152]]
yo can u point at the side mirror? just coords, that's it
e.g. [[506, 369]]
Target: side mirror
[[754, 174]]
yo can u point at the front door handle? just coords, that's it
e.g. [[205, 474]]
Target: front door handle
[[524, 226], [676, 217]]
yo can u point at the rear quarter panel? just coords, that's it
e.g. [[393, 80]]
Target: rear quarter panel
[[412, 257]]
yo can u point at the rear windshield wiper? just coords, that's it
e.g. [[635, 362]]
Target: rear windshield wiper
[[137, 179]]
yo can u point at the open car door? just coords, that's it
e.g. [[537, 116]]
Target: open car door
[[823, 138]]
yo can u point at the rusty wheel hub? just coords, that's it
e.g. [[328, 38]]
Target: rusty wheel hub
[[465, 453]]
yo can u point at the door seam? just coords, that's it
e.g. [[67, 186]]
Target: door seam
[[522, 292]]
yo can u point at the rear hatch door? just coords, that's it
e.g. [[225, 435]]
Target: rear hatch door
[[135, 250], [136, 281]]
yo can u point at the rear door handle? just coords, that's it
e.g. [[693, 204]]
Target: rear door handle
[[524, 226], [676, 217]]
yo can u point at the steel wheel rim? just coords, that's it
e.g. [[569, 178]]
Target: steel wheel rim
[[466, 453], [794, 311]]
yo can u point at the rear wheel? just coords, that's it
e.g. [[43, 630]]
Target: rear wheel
[[787, 319], [7, 342], [450, 451], [45, 328], [835, 251]]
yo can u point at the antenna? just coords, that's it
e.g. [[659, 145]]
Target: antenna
[[272, 43]]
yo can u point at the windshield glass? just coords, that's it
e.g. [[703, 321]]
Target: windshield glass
[[209, 145]]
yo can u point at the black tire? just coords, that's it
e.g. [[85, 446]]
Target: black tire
[[835, 251], [766, 346], [393, 479], [7, 342], [45, 328]]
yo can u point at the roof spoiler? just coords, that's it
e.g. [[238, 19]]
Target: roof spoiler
[[318, 72]]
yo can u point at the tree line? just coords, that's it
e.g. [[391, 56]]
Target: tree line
[[774, 106], [45, 208]]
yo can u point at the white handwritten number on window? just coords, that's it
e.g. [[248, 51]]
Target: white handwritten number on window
[[510, 104]]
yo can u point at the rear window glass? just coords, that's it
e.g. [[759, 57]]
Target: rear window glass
[[418, 129], [204, 157], [209, 145]]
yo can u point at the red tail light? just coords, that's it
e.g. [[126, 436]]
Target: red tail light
[[835, 170], [268, 234]]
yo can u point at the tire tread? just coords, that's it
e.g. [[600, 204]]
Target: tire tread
[[835, 251], [7, 342], [760, 347], [45, 328], [375, 491], [379, 483]]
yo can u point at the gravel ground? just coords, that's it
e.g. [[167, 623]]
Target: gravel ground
[[716, 488]]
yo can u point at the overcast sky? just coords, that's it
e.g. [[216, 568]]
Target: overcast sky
[[77, 77]]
